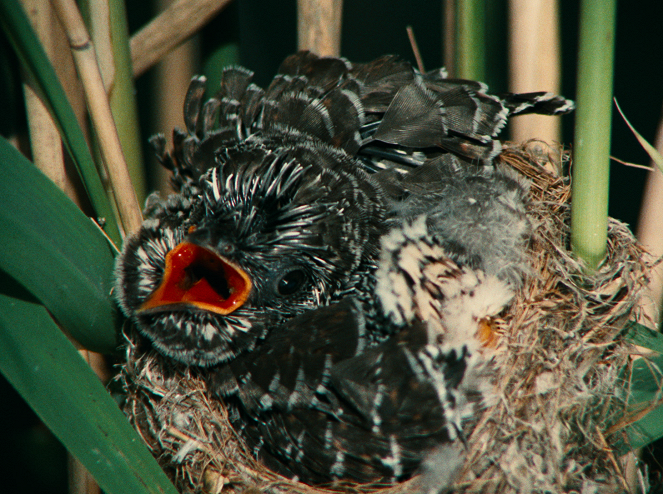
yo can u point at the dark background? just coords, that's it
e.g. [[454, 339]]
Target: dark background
[[31, 460]]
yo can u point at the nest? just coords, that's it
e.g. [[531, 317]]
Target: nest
[[557, 376]]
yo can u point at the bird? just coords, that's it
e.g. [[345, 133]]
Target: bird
[[332, 258], [282, 194]]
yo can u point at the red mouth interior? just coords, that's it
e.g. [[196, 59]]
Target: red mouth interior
[[195, 276]]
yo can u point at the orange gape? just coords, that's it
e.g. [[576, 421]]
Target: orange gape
[[198, 277]]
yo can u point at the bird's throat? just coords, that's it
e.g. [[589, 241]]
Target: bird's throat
[[196, 277]]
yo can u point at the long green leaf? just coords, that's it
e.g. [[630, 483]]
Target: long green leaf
[[45, 368], [31, 54], [56, 252]]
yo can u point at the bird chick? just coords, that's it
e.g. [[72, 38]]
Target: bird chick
[[284, 193]]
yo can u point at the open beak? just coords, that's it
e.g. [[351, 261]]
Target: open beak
[[197, 277]]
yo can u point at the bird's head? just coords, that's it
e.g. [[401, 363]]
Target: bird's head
[[274, 229]]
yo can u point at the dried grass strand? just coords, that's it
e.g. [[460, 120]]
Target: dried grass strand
[[100, 112]]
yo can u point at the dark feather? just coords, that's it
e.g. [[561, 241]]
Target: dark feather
[[192, 105], [234, 83], [325, 73], [541, 102], [415, 119], [325, 402]]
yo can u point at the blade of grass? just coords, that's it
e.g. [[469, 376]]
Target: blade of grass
[[45, 368], [591, 156], [650, 150], [33, 59], [56, 252]]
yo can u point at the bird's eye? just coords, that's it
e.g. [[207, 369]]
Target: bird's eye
[[291, 282]]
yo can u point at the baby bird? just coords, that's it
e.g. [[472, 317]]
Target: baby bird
[[333, 256]]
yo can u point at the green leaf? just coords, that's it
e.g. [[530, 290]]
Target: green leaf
[[645, 337], [56, 252], [34, 60], [45, 368], [645, 389], [645, 402], [651, 150]]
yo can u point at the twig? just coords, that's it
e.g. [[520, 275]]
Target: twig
[[45, 143], [100, 113], [415, 49], [110, 34], [99, 24], [612, 459], [632, 165], [173, 26]]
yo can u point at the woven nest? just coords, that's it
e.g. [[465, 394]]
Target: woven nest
[[557, 368]]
